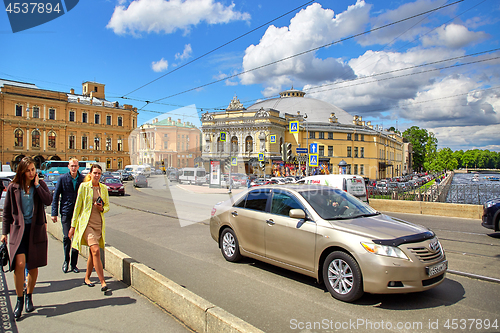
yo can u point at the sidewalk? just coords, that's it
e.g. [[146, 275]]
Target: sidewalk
[[63, 304]]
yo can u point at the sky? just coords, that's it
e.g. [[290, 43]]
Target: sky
[[395, 63]]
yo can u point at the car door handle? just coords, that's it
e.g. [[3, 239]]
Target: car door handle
[[235, 213], [270, 222]]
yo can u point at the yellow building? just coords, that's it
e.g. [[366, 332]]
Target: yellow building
[[341, 139], [53, 125], [166, 143]]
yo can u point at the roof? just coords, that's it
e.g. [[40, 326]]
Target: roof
[[18, 84]]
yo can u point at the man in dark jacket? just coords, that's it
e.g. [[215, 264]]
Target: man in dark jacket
[[67, 188]]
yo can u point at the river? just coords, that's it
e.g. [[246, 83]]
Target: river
[[464, 190]]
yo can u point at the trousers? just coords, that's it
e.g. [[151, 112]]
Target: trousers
[[66, 225]]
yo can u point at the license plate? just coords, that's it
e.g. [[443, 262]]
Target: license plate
[[114, 190], [437, 268]]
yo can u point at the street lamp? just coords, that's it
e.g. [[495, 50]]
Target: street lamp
[[304, 117]]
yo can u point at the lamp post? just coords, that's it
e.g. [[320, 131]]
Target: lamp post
[[303, 117]]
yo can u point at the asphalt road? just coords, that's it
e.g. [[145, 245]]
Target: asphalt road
[[144, 225]]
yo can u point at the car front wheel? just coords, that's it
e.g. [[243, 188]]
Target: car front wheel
[[229, 245], [342, 276]]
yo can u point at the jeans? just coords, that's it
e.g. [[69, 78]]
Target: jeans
[[66, 225]]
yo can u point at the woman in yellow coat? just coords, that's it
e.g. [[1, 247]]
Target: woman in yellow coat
[[87, 225]]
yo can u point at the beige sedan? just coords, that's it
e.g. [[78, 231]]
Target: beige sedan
[[330, 235]]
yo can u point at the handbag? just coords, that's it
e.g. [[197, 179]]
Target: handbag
[[4, 256]]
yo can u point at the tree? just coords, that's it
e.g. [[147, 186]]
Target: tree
[[420, 141], [458, 155]]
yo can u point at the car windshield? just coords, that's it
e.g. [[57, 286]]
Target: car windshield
[[112, 181], [333, 204]]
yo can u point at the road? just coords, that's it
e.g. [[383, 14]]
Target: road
[[144, 225]]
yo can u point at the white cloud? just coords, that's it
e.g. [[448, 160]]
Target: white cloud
[[468, 137], [185, 54], [160, 66], [167, 16], [453, 36], [310, 28]]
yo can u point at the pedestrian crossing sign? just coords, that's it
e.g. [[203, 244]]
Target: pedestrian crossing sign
[[223, 136], [294, 126], [313, 160], [234, 161], [272, 138], [261, 157]]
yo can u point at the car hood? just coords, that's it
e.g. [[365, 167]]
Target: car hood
[[379, 227]]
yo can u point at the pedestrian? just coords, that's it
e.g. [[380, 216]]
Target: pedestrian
[[67, 190], [24, 221], [88, 225]]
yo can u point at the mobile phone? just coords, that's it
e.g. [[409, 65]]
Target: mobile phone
[[99, 201]]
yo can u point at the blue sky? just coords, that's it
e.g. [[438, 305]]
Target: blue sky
[[394, 76]]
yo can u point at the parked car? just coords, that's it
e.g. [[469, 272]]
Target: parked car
[[328, 234], [117, 175], [491, 214], [114, 185], [141, 181], [4, 182]]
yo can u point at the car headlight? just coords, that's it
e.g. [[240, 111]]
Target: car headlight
[[488, 204], [384, 250], [121, 187], [109, 188]]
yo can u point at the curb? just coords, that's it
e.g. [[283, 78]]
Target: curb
[[195, 312]]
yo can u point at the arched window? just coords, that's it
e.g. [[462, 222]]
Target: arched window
[[234, 144], [35, 139], [18, 137], [97, 143], [249, 144], [220, 146], [51, 139]]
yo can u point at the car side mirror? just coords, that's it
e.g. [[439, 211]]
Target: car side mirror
[[297, 214]]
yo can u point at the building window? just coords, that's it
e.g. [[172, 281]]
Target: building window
[[19, 110], [321, 135], [349, 152], [35, 139], [330, 150], [361, 169], [120, 144], [108, 120], [18, 138], [249, 144], [97, 118], [120, 164], [355, 169], [234, 144], [362, 137], [51, 139], [349, 136], [362, 152], [356, 137], [36, 112], [330, 135], [95, 89], [97, 142], [72, 116], [84, 117], [356, 152], [108, 163], [120, 121], [71, 142], [108, 144], [84, 142], [312, 135], [52, 114], [321, 151]]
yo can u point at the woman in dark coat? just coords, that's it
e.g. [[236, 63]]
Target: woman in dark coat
[[24, 220]]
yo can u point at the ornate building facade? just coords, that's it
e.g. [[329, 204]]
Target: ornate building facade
[[345, 143], [166, 143], [53, 125]]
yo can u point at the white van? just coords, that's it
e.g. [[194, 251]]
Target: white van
[[196, 176], [145, 169], [352, 184]]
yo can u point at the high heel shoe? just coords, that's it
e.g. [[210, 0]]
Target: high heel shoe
[[29, 303], [19, 307]]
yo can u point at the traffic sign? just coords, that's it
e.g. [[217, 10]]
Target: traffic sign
[[272, 138], [294, 126], [261, 157], [313, 148], [234, 161], [301, 150], [223, 136], [313, 160]]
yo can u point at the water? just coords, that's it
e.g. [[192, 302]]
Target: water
[[464, 190]]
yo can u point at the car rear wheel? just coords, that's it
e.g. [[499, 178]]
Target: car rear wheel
[[229, 245], [342, 277]]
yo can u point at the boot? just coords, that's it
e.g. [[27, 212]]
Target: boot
[[19, 307], [29, 303]]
